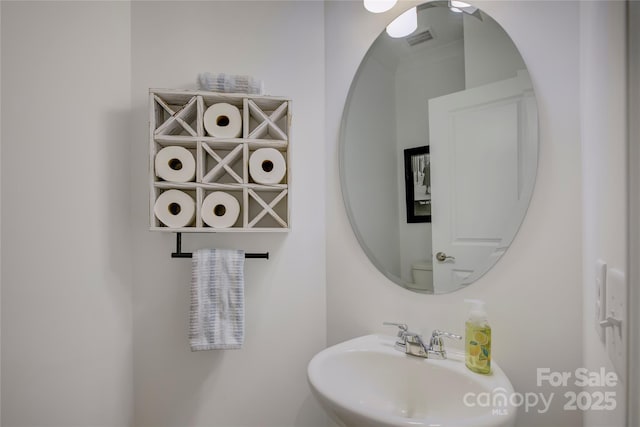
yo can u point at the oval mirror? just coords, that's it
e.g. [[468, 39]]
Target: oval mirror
[[439, 149]]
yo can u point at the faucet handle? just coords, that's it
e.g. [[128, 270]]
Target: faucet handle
[[438, 333], [436, 344], [402, 327]]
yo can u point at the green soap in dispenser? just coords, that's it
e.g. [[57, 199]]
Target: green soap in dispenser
[[477, 339]]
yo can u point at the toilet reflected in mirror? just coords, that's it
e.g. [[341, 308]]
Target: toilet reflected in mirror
[[422, 275]]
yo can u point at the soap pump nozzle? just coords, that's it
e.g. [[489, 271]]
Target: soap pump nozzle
[[477, 311]]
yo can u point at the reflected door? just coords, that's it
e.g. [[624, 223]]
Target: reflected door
[[482, 158]]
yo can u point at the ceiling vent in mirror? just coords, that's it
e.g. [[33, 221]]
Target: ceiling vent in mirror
[[420, 37]]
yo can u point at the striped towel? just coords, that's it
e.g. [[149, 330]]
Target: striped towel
[[217, 300], [232, 83]]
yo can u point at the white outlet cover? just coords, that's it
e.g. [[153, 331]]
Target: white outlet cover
[[601, 298], [616, 289]]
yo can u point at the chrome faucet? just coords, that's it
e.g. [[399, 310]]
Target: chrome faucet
[[413, 344]]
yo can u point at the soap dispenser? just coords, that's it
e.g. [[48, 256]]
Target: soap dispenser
[[477, 339]]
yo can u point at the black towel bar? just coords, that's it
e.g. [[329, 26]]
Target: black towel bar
[[179, 254]]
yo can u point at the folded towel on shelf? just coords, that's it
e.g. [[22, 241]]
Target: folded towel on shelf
[[217, 300], [230, 83]]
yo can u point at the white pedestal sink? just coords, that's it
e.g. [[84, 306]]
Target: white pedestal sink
[[367, 382]]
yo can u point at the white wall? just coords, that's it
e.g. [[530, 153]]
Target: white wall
[[371, 171], [66, 250], [604, 152], [489, 55], [633, 49], [533, 293], [0, 213], [84, 69], [264, 384]]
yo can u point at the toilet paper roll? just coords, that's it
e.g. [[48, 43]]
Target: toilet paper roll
[[220, 210], [223, 120], [175, 164], [267, 166], [175, 208]]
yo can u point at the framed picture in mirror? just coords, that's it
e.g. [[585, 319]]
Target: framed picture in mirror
[[417, 181]]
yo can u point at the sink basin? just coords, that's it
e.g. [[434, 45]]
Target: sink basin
[[367, 382]]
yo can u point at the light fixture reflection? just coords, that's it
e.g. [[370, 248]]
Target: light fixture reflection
[[404, 24], [459, 4], [379, 6]]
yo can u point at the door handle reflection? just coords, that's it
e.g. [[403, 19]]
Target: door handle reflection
[[441, 256]]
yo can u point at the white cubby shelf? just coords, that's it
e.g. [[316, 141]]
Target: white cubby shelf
[[222, 164]]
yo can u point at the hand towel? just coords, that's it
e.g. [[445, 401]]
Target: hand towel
[[217, 300], [231, 83]]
